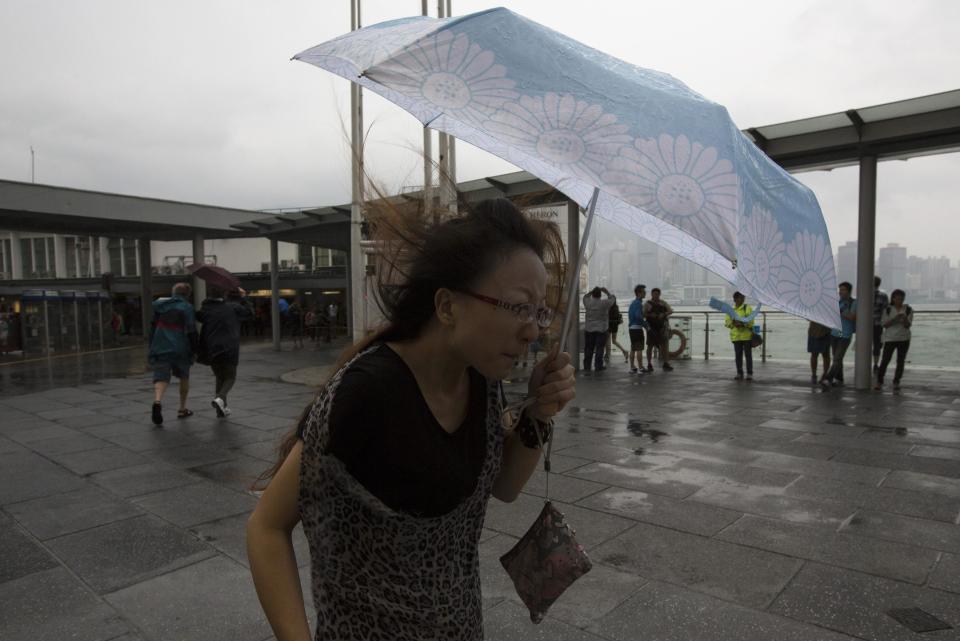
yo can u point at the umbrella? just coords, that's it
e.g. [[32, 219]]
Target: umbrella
[[215, 275], [636, 147]]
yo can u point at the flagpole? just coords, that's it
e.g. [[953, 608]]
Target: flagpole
[[571, 288]]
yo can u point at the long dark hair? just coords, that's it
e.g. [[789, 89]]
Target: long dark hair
[[418, 255]]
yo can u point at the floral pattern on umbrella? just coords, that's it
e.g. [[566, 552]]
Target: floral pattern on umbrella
[[807, 284], [688, 185], [562, 131], [761, 249], [449, 73]]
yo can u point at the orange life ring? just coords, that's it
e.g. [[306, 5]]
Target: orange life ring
[[683, 343]]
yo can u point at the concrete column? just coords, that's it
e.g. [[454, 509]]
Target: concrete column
[[16, 257], [199, 286], [275, 294], [59, 256], [104, 255], [573, 247], [146, 285], [866, 241]]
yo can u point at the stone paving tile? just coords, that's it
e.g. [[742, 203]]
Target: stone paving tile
[[25, 476], [922, 505], [126, 552], [8, 447], [934, 451], [661, 510], [772, 502], [566, 489], [264, 450], [923, 483], [99, 460], [509, 621], [237, 474], [904, 529], [229, 435], [592, 528], [193, 504], [40, 432], [734, 573], [65, 444], [938, 467], [874, 556], [20, 555], [946, 576], [828, 469], [165, 607], [645, 480], [857, 604], [53, 414], [855, 443], [143, 479], [229, 536], [51, 604], [84, 421], [142, 438], [669, 613], [61, 514], [812, 427], [263, 421], [186, 456]]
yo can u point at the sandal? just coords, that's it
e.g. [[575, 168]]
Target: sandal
[[184, 413]]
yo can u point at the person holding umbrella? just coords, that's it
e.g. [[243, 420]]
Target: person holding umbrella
[[221, 317]]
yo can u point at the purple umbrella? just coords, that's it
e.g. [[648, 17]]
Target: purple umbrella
[[216, 276]]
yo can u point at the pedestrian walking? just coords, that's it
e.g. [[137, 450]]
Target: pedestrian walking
[[220, 319], [897, 319], [173, 341], [840, 338], [391, 468], [636, 325], [332, 312], [880, 304], [818, 345], [310, 323], [657, 313], [595, 326], [741, 335], [614, 319], [295, 323]]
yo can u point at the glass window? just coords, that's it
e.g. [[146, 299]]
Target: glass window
[[130, 256], [96, 256], [83, 253], [338, 258], [70, 255], [6, 269], [26, 257], [113, 249]]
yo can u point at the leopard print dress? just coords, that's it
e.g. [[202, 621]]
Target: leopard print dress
[[378, 574]]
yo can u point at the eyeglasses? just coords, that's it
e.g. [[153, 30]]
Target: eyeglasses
[[524, 312]]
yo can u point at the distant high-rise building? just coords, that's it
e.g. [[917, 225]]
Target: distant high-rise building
[[847, 262], [892, 266], [936, 273]]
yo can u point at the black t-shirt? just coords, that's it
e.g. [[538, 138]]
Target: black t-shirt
[[384, 432]]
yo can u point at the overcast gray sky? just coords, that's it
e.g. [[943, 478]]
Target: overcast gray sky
[[198, 100]]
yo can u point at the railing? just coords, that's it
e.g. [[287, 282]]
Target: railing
[[935, 338]]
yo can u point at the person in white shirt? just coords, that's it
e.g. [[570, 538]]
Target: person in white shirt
[[595, 326], [896, 319]]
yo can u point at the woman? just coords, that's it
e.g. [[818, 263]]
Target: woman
[[741, 335], [392, 466], [616, 319], [818, 345], [897, 319]]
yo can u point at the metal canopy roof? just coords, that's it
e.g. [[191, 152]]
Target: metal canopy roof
[[896, 130], [44, 208]]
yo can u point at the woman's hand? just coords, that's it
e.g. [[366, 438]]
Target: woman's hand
[[553, 384]]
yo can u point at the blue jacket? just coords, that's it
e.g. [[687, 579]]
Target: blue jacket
[[635, 314], [847, 326], [173, 332]]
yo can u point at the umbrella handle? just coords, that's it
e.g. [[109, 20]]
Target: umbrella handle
[[575, 273]]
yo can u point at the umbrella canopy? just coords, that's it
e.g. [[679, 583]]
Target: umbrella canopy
[[668, 164], [215, 275]]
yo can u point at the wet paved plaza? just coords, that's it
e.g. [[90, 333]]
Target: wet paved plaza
[[712, 509]]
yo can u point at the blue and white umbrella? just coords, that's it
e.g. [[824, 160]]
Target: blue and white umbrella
[[638, 147]]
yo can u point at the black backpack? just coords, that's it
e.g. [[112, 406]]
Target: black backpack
[[613, 315]]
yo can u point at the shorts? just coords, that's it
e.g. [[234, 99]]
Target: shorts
[[819, 345], [656, 337], [636, 340], [163, 369]]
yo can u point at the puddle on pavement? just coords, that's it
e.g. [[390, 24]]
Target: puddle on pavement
[[890, 429], [643, 429]]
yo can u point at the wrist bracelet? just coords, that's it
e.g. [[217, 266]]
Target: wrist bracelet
[[533, 433]]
